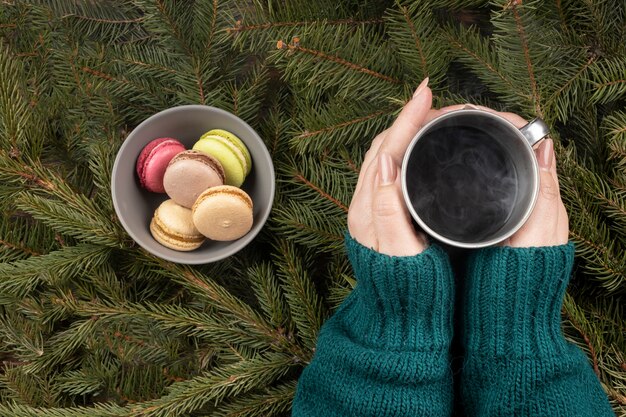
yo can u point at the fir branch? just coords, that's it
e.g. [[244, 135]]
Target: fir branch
[[79, 383], [307, 134], [227, 304], [62, 345], [74, 220], [317, 192], [478, 52], [608, 80], [177, 32], [574, 87], [270, 296], [21, 248], [98, 410], [418, 42], [294, 46], [602, 340], [171, 23], [138, 63], [21, 128], [240, 27], [300, 178], [310, 225], [214, 329], [273, 401], [529, 64], [21, 277], [338, 124], [22, 337], [217, 385], [614, 125], [416, 36], [109, 77], [104, 20], [305, 304]]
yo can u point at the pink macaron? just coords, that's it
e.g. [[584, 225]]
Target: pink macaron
[[153, 161]]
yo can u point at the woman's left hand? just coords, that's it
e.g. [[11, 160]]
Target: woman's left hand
[[378, 217]]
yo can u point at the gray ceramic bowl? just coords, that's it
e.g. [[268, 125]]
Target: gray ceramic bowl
[[135, 206]]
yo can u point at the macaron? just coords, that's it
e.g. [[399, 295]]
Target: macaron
[[153, 161], [230, 151], [223, 213], [172, 226], [189, 173]]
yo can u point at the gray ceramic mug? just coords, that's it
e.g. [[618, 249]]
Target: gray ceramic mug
[[470, 177]]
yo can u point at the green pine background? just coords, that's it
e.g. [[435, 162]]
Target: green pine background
[[93, 325]]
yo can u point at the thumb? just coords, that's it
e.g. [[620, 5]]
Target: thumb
[[392, 224], [541, 228]]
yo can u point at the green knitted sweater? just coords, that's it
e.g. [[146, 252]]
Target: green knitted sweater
[[386, 350]]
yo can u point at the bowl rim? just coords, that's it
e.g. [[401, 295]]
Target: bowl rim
[[238, 244]]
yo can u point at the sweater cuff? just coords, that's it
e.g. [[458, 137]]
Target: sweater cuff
[[513, 299], [401, 302]]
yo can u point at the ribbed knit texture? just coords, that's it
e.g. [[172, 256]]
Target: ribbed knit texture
[[385, 351], [517, 361]]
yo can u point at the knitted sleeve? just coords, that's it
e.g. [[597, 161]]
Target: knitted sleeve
[[385, 351], [517, 361]]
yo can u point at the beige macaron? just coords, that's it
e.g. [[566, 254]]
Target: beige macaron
[[172, 226], [189, 173], [223, 213]]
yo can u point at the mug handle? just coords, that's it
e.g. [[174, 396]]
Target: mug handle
[[534, 131]]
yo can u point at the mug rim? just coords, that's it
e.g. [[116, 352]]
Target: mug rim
[[535, 179]]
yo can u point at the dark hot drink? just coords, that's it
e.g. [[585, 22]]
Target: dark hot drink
[[470, 178]]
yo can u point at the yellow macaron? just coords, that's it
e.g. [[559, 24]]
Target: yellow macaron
[[230, 151]]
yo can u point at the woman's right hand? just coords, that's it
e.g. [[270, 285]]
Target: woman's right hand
[[548, 224]]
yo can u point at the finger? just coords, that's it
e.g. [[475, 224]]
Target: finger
[[545, 226], [541, 228], [549, 187], [370, 156], [394, 232], [546, 160], [408, 123], [360, 211], [372, 152], [431, 115]]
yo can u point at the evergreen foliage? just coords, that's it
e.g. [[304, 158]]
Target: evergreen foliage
[[93, 325]]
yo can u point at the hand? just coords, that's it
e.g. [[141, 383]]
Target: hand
[[548, 224], [378, 217]]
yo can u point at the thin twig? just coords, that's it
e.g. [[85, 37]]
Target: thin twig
[[239, 27], [344, 124], [592, 350], [418, 42], [529, 64], [19, 247], [321, 192], [112, 21], [295, 46]]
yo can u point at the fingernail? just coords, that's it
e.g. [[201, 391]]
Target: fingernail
[[420, 87], [546, 153], [387, 169], [470, 106]]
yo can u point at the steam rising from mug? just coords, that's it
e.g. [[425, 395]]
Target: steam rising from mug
[[464, 183]]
